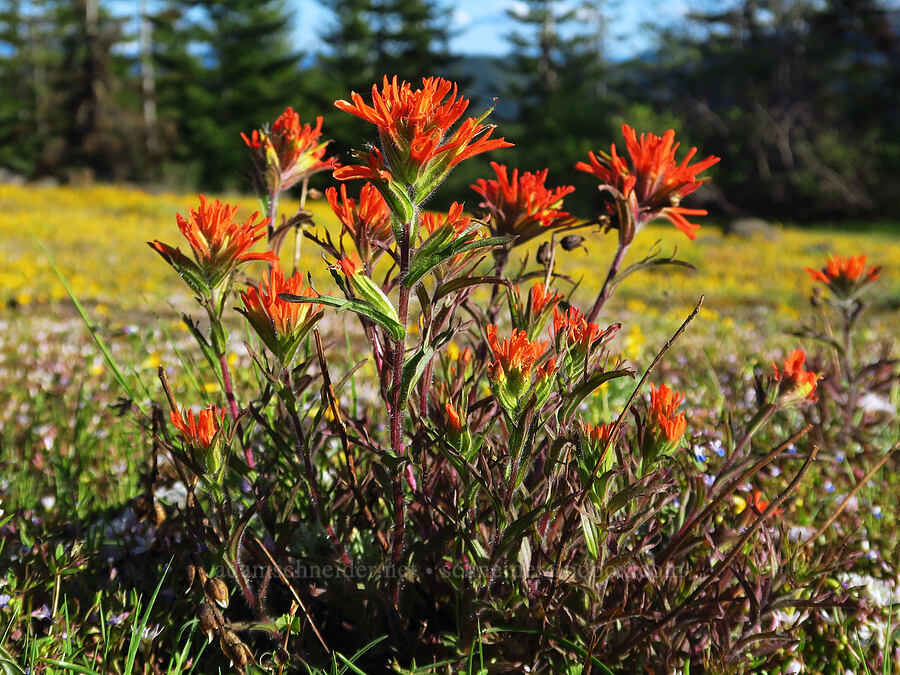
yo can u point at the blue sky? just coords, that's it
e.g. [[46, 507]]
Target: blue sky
[[482, 24]]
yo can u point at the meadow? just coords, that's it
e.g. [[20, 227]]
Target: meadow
[[89, 500]]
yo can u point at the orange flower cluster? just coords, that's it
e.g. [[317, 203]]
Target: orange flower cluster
[[199, 432], [794, 383], [541, 297], [598, 435], [663, 404], [845, 276], [572, 328], [414, 127], [368, 221], [653, 183], [289, 152], [517, 354], [431, 221], [523, 206], [219, 243], [280, 324]]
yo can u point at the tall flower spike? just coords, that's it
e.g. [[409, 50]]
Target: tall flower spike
[[368, 221], [845, 277], [414, 127], [795, 384], [289, 152], [522, 205], [219, 244], [280, 324], [652, 184]]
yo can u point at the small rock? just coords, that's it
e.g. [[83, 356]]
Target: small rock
[[747, 228]]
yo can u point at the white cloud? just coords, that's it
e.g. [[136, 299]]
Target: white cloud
[[461, 18]]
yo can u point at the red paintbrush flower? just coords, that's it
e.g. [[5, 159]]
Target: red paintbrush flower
[[431, 221], [200, 431], [845, 276], [415, 131], [795, 384], [663, 404], [571, 330], [511, 371], [523, 206], [280, 324], [454, 421], [202, 434], [218, 242], [289, 152], [598, 436], [541, 297], [368, 222], [652, 184]]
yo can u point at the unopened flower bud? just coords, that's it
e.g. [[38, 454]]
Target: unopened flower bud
[[216, 591], [191, 575], [544, 254], [210, 620], [234, 649], [571, 242]]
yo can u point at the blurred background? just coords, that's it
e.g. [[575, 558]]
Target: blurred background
[[801, 97]]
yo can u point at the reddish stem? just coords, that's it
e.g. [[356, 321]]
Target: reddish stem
[[398, 414]]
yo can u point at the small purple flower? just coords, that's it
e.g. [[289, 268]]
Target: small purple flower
[[792, 449], [876, 511], [42, 613], [116, 619], [775, 471], [829, 486], [839, 457], [708, 479], [4, 600]]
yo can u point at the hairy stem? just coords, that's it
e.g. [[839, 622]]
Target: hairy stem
[[397, 416]]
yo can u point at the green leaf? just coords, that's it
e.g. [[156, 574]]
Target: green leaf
[[423, 264], [363, 308], [591, 536], [412, 371], [512, 533]]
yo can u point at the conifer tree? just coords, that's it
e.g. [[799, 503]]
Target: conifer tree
[[248, 73]]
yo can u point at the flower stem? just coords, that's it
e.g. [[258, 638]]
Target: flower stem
[[271, 212], [398, 414], [310, 476], [298, 237], [606, 291]]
